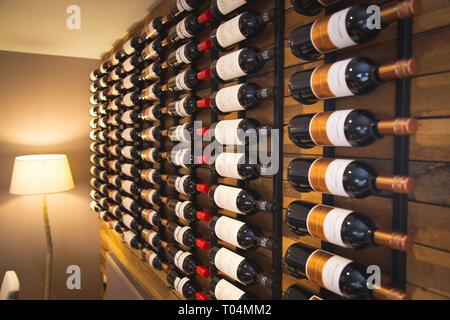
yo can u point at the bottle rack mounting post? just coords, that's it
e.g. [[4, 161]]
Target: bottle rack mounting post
[[401, 152], [278, 108]]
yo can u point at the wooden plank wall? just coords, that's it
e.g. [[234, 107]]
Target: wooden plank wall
[[428, 267]]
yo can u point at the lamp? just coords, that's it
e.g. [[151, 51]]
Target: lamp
[[42, 174]]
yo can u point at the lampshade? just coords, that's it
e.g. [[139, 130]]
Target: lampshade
[[41, 174]]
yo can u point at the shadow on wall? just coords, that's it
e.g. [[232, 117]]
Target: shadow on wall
[[47, 112]]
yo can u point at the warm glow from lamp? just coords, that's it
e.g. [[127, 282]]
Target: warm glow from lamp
[[41, 174]]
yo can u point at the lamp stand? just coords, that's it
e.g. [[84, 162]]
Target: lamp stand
[[48, 265]]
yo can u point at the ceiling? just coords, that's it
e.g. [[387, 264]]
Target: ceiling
[[39, 26]]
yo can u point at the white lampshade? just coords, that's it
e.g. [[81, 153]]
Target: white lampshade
[[41, 174]]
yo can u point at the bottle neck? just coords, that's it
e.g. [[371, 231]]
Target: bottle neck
[[397, 184], [267, 16], [397, 127], [399, 11], [398, 70], [266, 55], [265, 93]]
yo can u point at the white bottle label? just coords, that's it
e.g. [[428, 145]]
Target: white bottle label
[[179, 258], [127, 82], [179, 233], [126, 185], [181, 30], [150, 94], [179, 284], [182, 6], [150, 52], [228, 67], [92, 76], [179, 184], [227, 99], [127, 202], [335, 129], [332, 271], [92, 100], [181, 134], [337, 31], [225, 197], [179, 156], [126, 152], [148, 195], [126, 117], [226, 164], [127, 65], [150, 71], [228, 262], [127, 100], [126, 169], [334, 176], [226, 6], [151, 31], [179, 209], [228, 33], [127, 220], [336, 81], [227, 291], [149, 216], [150, 237], [181, 56], [179, 108], [128, 48], [332, 225], [150, 113], [151, 259], [226, 132], [227, 229], [92, 88], [149, 175], [180, 83], [128, 236]]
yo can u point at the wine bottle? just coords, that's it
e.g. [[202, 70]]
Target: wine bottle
[[150, 73], [115, 210], [186, 210], [151, 93], [98, 185], [130, 187], [238, 233], [237, 131], [98, 147], [114, 105], [114, 195], [153, 196], [240, 63], [244, 96], [152, 217], [130, 170], [345, 128], [114, 179], [103, 215], [244, 26], [131, 223], [95, 206], [101, 174], [220, 8], [98, 160], [186, 262], [152, 134], [335, 273], [151, 155], [188, 53], [154, 260], [95, 195], [153, 50], [118, 73], [131, 205], [178, 7], [189, 27], [187, 184], [224, 290], [238, 200], [94, 87], [117, 227], [345, 28], [151, 175], [133, 116], [181, 157], [311, 7], [187, 80], [98, 110], [115, 150], [232, 165], [345, 228], [132, 45], [343, 177], [100, 135], [95, 75], [346, 78], [238, 267], [295, 292], [185, 132], [153, 238], [185, 286], [184, 235], [187, 106], [132, 240], [154, 28]]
